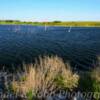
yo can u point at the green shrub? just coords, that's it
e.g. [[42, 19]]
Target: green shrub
[[86, 82], [31, 95], [68, 81], [96, 81], [90, 82]]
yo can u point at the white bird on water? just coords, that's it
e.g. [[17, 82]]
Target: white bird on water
[[69, 30], [17, 29], [45, 27]]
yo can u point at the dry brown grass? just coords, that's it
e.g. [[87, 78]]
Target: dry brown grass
[[40, 77], [23, 86]]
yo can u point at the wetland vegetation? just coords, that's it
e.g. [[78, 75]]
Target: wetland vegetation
[[46, 78], [54, 23]]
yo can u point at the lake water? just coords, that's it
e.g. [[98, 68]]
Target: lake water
[[20, 43]]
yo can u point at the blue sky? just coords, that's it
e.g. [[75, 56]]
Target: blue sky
[[50, 10]]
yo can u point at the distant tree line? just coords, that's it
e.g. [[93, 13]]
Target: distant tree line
[[10, 21], [53, 23]]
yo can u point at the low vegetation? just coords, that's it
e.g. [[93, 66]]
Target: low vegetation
[[49, 75], [90, 83], [96, 82], [54, 23]]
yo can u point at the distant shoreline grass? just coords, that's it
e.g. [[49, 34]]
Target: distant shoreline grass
[[54, 23]]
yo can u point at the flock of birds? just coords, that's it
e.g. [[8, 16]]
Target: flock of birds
[[69, 30], [18, 28]]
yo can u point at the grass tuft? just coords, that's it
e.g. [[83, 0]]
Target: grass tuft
[[48, 74]]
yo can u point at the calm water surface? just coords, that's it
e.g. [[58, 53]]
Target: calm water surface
[[20, 43]]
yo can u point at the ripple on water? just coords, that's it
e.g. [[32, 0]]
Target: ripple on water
[[20, 43]]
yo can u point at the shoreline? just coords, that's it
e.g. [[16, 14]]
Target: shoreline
[[54, 23], [53, 26]]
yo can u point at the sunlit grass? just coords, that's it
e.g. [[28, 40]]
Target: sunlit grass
[[45, 76], [50, 74], [55, 23]]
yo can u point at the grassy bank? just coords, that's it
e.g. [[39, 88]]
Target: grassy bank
[[50, 75], [54, 23]]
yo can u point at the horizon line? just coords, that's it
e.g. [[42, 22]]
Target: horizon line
[[50, 20]]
